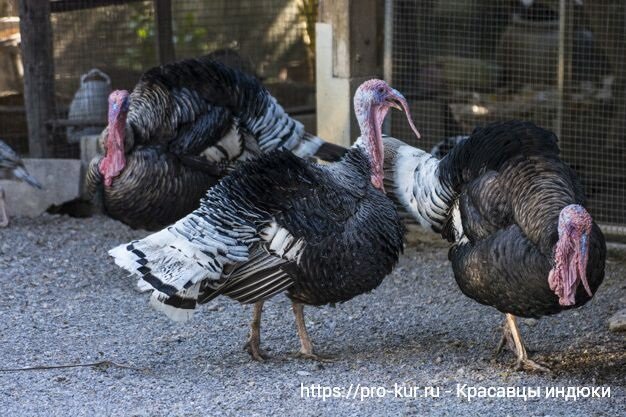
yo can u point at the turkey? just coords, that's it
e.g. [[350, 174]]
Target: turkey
[[322, 233], [12, 168], [522, 240], [180, 130], [444, 147]]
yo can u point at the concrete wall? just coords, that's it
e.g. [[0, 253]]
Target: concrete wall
[[333, 93]]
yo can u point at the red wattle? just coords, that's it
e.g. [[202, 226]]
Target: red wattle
[[114, 161], [569, 270]]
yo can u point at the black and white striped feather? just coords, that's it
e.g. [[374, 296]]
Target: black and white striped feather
[[198, 118], [412, 180], [192, 105], [322, 233]]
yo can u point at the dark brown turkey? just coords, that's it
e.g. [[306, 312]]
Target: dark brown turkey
[[182, 128], [522, 240], [321, 233]]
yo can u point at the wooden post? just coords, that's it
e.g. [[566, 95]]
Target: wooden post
[[164, 32], [357, 55], [38, 62]]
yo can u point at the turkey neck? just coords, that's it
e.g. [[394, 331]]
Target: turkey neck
[[370, 121]]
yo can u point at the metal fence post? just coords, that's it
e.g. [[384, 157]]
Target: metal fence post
[[164, 32], [38, 61], [564, 61]]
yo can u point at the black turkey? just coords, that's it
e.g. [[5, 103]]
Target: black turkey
[[444, 147], [322, 233], [522, 239], [12, 168], [182, 128]]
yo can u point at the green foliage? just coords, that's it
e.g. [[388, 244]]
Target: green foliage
[[307, 13], [142, 49], [189, 36]]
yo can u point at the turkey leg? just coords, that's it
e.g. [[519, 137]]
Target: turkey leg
[[513, 339], [253, 345], [306, 347], [4, 219]]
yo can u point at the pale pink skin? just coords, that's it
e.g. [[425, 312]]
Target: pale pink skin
[[114, 160], [571, 254], [372, 101]]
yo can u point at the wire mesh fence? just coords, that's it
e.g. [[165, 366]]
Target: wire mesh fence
[[121, 39], [461, 64], [12, 116], [559, 63]]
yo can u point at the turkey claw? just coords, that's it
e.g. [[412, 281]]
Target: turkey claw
[[525, 364], [255, 351]]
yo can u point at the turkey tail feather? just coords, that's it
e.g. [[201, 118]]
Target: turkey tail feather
[[171, 267], [164, 261], [22, 174], [178, 262], [179, 307]]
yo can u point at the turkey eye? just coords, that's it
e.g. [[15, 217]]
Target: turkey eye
[[381, 90]]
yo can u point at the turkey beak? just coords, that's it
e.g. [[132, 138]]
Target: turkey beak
[[397, 101]]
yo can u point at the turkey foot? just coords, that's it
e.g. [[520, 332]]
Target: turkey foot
[[512, 338], [306, 347], [253, 345], [4, 219]]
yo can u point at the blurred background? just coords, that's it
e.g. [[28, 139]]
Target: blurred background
[[461, 64], [559, 63], [121, 40]]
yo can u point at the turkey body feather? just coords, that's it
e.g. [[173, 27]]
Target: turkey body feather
[[204, 117], [281, 223], [509, 214], [522, 240], [506, 270], [162, 187], [189, 105], [322, 233], [497, 197]]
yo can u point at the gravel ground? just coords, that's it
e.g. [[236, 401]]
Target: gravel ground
[[64, 302]]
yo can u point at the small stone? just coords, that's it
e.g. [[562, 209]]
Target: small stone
[[303, 373], [530, 322], [617, 322], [438, 360]]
